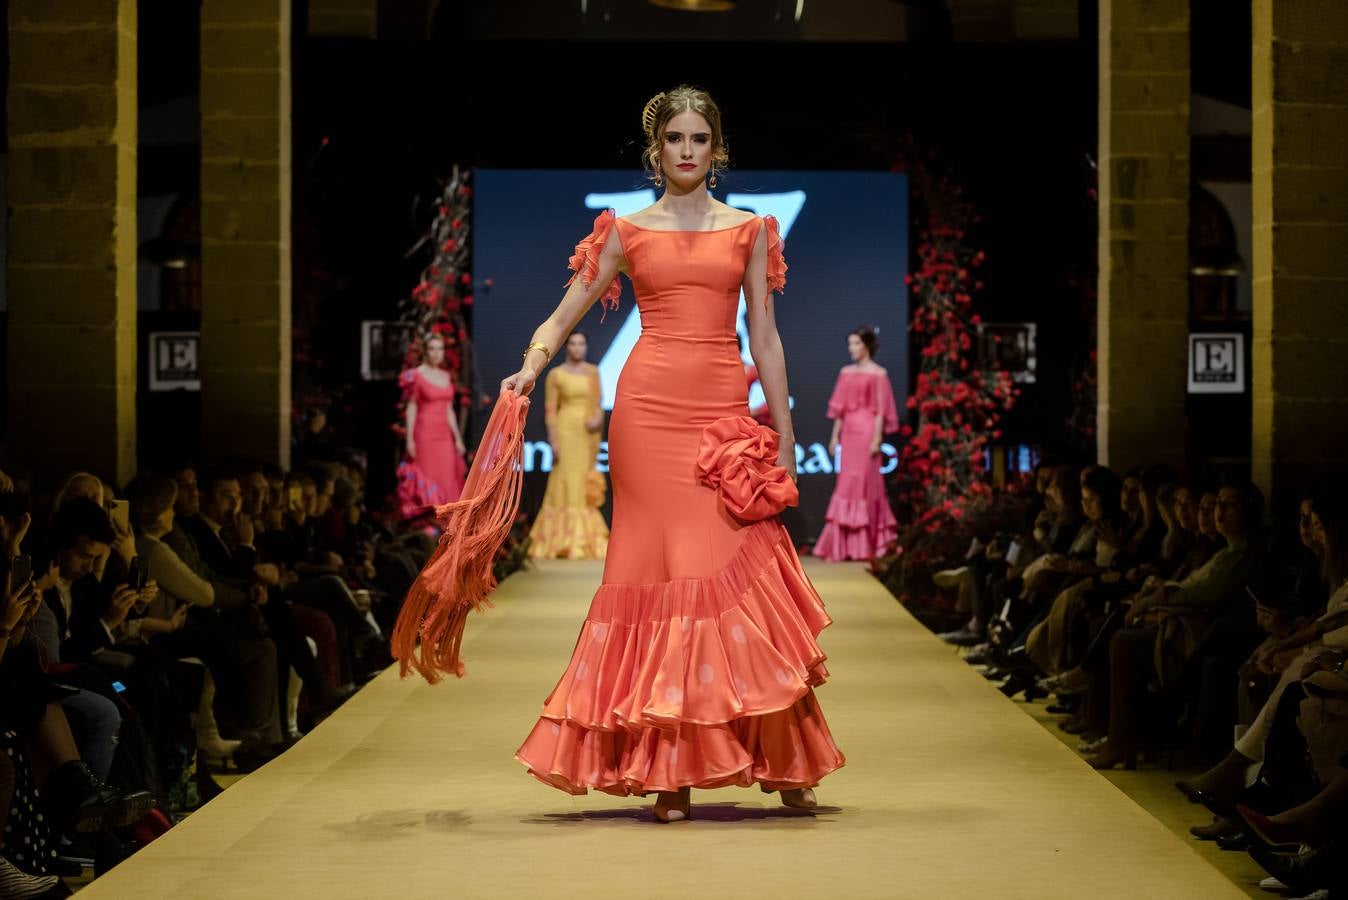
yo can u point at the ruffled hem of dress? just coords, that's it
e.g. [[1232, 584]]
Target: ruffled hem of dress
[[838, 543], [861, 512], [567, 533], [791, 748], [690, 666], [418, 493]]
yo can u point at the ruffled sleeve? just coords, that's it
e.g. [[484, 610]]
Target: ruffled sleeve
[[407, 382], [837, 402], [884, 402], [585, 261], [776, 261]]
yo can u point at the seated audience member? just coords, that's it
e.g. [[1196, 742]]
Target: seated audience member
[[1164, 624], [72, 797], [167, 623], [98, 625], [1049, 644], [1289, 655], [218, 537], [95, 719]]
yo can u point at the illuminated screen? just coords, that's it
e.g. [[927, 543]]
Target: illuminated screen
[[846, 242]]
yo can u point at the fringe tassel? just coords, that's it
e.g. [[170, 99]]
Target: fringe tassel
[[458, 577]]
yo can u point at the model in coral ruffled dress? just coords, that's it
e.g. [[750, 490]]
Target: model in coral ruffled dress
[[859, 523], [697, 662]]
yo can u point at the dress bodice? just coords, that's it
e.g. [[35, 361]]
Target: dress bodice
[[687, 283], [419, 389]]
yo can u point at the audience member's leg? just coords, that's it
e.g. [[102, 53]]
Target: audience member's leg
[[1204, 684], [95, 722], [1313, 821], [1254, 687], [247, 702], [292, 651], [1048, 642], [1286, 778], [72, 794], [355, 633], [318, 627], [6, 791], [29, 842], [1131, 667], [1251, 744], [1223, 780]]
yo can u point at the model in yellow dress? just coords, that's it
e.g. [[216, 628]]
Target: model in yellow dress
[[569, 524]]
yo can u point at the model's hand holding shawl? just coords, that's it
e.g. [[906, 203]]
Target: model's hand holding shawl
[[458, 577]]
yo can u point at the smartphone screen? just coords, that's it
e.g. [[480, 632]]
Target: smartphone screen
[[140, 573], [21, 567], [118, 686]]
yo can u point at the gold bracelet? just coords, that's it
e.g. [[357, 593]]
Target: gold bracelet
[[537, 346]]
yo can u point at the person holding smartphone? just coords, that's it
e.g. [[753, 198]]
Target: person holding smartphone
[[32, 721]]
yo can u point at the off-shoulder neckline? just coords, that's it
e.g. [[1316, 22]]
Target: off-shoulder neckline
[[686, 230], [449, 382]]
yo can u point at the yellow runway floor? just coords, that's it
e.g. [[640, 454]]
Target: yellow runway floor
[[412, 791]]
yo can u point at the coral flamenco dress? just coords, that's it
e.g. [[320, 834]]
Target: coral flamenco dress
[[697, 661]]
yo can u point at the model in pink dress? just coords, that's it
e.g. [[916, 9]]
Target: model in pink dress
[[434, 469], [859, 522]]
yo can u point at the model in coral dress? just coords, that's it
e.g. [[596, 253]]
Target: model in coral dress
[[859, 522], [569, 525], [697, 663]]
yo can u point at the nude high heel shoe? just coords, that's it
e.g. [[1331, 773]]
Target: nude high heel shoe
[[673, 807]]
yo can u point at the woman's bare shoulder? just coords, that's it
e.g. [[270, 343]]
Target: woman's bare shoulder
[[733, 216]]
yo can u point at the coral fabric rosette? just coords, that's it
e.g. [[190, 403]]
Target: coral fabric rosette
[[738, 458]]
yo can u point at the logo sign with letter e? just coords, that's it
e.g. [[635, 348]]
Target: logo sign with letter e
[[173, 361], [1216, 363]]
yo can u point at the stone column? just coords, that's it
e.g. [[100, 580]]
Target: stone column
[[1143, 233], [1300, 159], [72, 236], [245, 228]]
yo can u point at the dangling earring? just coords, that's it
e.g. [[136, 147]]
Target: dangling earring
[[659, 177], [712, 182]]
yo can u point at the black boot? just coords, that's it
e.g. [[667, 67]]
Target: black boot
[[78, 800]]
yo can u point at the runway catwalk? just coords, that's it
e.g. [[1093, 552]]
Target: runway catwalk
[[411, 791]]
